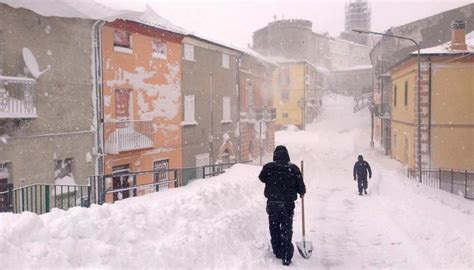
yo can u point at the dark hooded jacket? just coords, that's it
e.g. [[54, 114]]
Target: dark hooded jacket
[[283, 179]]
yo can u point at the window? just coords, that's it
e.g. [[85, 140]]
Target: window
[[250, 98], [395, 96], [226, 110], [6, 173], [63, 172], [123, 105], [406, 94], [122, 41], [284, 76], [284, 115], [285, 95], [159, 48], [189, 110], [189, 52], [225, 60]]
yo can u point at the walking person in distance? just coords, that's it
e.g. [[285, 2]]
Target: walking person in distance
[[361, 167]]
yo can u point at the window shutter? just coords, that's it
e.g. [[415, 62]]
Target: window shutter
[[226, 109], [189, 109]]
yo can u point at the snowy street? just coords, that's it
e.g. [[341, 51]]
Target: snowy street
[[221, 222]]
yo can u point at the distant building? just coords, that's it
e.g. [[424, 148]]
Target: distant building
[[428, 32], [256, 104], [447, 105], [295, 40], [354, 81], [297, 92]]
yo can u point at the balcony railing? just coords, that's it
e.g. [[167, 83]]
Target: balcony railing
[[17, 98], [121, 136], [261, 113]]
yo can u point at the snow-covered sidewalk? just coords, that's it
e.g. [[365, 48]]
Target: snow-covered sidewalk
[[221, 222]]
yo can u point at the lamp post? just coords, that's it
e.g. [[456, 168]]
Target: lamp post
[[418, 103]]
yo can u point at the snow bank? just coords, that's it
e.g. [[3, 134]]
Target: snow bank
[[213, 223]]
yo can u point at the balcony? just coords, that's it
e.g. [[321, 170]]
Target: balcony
[[17, 98], [122, 136]]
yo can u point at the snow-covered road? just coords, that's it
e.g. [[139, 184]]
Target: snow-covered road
[[221, 222]]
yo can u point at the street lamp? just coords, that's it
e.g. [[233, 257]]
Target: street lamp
[[418, 137]]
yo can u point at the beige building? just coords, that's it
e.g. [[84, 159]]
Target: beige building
[[446, 135]]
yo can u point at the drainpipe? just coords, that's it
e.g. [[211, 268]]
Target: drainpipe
[[304, 97], [211, 137], [429, 112], [98, 76], [239, 140]]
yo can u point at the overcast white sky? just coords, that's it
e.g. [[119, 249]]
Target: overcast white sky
[[235, 20]]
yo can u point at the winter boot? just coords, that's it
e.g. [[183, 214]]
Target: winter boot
[[286, 262], [365, 191]]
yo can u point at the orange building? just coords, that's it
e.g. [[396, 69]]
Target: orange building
[[142, 109]]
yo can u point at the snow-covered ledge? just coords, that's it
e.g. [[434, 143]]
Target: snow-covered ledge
[[226, 121], [189, 123], [123, 50]]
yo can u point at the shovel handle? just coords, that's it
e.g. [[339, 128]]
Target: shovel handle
[[302, 200]]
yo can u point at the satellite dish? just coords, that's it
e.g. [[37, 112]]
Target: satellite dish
[[32, 64]]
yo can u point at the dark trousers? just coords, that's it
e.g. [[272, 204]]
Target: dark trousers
[[280, 217], [362, 183]]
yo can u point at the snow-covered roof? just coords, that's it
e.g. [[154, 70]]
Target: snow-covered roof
[[445, 48], [358, 67], [87, 9], [283, 60], [259, 56]]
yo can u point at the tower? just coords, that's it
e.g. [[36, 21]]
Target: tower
[[358, 15]]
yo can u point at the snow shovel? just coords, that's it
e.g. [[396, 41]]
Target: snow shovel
[[304, 247]]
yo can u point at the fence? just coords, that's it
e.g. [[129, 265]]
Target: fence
[[41, 198], [456, 182]]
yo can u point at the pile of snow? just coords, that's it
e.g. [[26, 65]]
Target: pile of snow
[[212, 223]]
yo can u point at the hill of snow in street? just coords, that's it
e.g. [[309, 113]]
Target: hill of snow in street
[[221, 223]]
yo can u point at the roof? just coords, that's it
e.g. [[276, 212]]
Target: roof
[[87, 9], [445, 48], [353, 68], [283, 60]]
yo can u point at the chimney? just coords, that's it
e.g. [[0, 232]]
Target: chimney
[[458, 36]]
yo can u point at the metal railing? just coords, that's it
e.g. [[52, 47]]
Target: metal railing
[[456, 182], [17, 97], [41, 198], [123, 136]]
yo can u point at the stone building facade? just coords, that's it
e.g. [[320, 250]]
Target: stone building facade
[[50, 142]]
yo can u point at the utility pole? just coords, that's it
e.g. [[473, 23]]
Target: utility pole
[[418, 100]]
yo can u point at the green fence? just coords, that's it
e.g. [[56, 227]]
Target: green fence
[[41, 198]]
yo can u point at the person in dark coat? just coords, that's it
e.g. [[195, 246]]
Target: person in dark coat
[[283, 181], [361, 167]]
